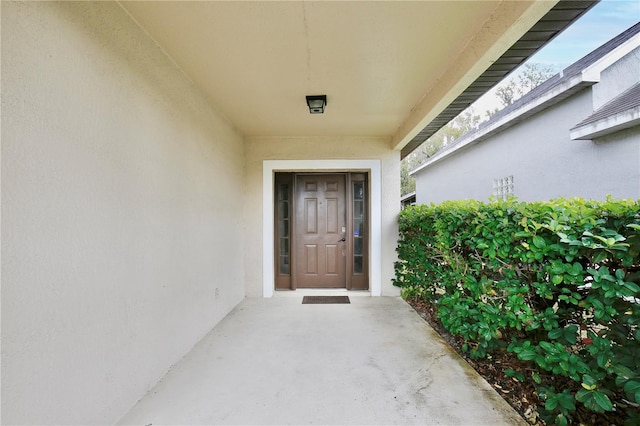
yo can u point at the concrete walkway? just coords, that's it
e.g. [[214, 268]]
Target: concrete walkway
[[276, 361]]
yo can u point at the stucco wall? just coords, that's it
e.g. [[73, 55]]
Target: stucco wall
[[326, 148], [121, 213], [544, 162], [617, 78]]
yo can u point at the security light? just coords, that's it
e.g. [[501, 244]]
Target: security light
[[316, 103]]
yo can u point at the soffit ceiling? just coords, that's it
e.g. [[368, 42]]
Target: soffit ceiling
[[387, 68]]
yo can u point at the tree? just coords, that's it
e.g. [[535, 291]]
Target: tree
[[531, 76], [407, 183]]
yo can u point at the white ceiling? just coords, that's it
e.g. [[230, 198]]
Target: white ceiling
[[387, 68]]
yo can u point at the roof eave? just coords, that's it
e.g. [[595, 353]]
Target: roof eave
[[614, 123], [535, 102], [561, 16]]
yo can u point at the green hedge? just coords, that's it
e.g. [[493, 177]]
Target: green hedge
[[554, 282]]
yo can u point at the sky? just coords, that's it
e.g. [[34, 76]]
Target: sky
[[604, 21], [601, 23]]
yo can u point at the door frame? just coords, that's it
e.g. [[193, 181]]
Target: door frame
[[373, 167]]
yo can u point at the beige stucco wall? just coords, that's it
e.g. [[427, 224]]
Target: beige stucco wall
[[314, 148], [121, 213]]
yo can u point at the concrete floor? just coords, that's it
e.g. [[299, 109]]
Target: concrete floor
[[276, 361]]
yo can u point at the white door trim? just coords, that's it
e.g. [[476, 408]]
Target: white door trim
[[269, 167]]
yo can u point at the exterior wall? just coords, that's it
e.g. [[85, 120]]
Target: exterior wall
[[544, 162], [121, 211], [622, 150], [326, 148], [616, 79]]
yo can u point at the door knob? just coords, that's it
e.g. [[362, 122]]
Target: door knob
[[342, 240]]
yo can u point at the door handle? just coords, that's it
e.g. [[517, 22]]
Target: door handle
[[342, 240]]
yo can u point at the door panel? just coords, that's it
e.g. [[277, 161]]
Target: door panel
[[333, 260], [311, 260], [311, 215], [320, 229], [333, 216]]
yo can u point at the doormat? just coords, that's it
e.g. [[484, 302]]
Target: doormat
[[315, 300]]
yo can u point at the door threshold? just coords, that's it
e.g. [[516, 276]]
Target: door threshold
[[321, 292]]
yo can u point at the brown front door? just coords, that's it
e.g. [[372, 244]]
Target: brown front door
[[320, 231]]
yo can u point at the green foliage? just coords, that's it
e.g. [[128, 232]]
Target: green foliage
[[556, 283], [407, 182], [561, 404]]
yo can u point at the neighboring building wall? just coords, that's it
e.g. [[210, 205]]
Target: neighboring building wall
[[122, 209], [620, 155], [616, 79], [542, 159], [327, 148], [540, 155]]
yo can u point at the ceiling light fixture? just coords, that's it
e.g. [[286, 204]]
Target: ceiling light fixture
[[316, 103]]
